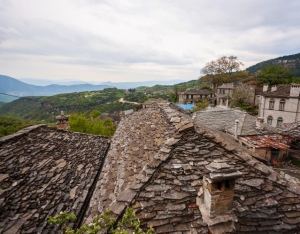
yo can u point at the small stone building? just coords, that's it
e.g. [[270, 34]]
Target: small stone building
[[224, 94], [195, 95], [44, 171], [250, 131], [224, 119], [267, 147]]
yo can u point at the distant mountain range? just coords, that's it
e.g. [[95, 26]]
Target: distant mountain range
[[12, 86], [291, 62], [15, 87], [127, 85], [120, 85]]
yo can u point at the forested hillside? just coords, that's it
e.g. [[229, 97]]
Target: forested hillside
[[167, 89], [47, 108], [10, 125], [291, 62]]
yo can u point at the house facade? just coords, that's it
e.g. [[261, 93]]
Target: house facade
[[194, 95], [224, 94], [280, 104]]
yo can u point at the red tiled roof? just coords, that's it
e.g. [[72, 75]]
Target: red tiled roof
[[264, 142]]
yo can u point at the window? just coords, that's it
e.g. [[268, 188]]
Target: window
[[281, 104], [271, 104], [269, 120], [222, 91], [279, 122]]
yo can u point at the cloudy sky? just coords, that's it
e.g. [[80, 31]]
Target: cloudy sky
[[137, 40]]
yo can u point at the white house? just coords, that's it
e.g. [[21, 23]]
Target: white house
[[280, 105]]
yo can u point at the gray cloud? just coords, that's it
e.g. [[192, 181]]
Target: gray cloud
[[163, 38]]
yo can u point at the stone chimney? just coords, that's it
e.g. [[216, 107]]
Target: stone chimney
[[265, 87], [274, 88], [62, 121], [236, 129], [215, 197], [295, 90], [259, 122]]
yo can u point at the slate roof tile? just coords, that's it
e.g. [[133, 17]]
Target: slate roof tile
[[260, 200], [282, 91], [44, 171], [223, 119]]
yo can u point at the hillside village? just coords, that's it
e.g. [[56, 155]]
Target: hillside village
[[178, 175], [145, 117], [218, 169]]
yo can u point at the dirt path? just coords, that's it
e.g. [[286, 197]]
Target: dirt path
[[124, 101]]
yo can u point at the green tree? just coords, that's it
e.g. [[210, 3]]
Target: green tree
[[79, 123], [206, 87], [275, 74], [174, 94], [94, 113], [242, 96], [109, 127], [127, 225], [221, 70], [201, 105], [9, 125]]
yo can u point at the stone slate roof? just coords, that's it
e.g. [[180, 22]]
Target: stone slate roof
[[226, 86], [135, 142], [290, 129], [282, 91], [223, 119], [165, 177], [44, 171], [198, 91], [265, 142]]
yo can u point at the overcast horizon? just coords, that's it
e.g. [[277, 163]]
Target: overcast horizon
[[130, 41]]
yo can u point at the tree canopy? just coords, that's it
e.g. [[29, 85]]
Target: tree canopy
[[104, 223], [80, 123], [242, 96], [275, 74], [223, 69]]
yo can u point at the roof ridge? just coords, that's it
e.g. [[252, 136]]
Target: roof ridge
[[243, 121], [181, 124], [184, 123], [185, 128], [21, 132]]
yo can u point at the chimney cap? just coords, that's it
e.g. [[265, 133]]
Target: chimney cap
[[221, 171]]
